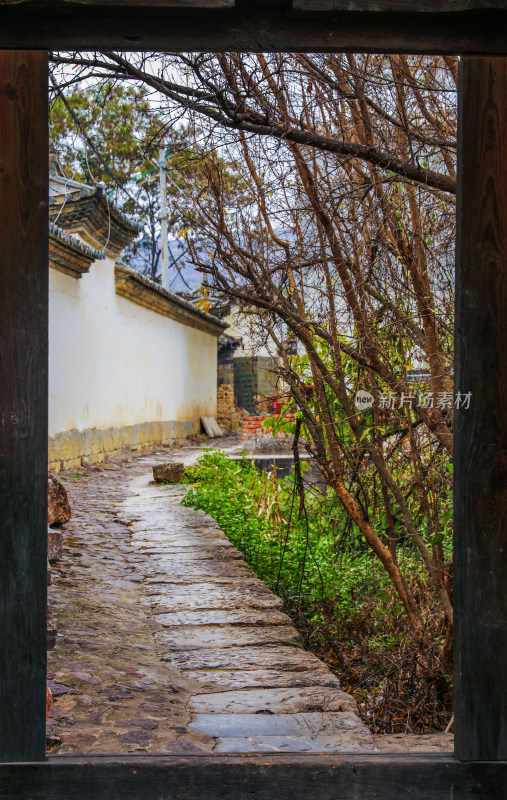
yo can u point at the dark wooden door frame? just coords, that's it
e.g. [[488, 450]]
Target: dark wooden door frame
[[479, 769], [24, 278], [409, 26]]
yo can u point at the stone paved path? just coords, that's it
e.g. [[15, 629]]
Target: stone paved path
[[113, 693], [169, 643]]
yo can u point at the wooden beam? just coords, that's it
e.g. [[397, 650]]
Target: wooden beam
[[23, 402], [265, 777], [480, 472], [253, 25], [298, 6], [178, 5], [384, 6]]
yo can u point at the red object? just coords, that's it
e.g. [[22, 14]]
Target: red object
[[253, 424], [278, 404]]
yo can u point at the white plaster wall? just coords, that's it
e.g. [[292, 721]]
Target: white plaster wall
[[113, 363]]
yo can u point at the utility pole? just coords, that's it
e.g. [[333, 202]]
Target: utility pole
[[164, 244]]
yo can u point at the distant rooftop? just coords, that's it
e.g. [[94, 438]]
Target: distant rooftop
[[80, 208]]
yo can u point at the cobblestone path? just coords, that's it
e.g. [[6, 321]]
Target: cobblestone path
[[169, 643]]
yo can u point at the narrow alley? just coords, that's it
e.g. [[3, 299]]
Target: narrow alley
[[168, 643]]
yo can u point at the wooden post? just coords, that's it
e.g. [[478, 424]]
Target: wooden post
[[480, 500], [23, 401]]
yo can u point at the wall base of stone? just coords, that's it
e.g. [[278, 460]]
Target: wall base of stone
[[70, 449]]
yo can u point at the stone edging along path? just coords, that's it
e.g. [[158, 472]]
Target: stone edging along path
[[259, 691], [169, 643]]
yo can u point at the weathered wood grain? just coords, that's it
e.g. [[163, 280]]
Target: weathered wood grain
[[179, 5], [23, 402], [250, 26], [480, 495], [384, 6], [266, 777], [305, 6]]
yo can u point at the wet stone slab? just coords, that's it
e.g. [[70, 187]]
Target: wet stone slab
[[182, 544], [278, 657], [217, 597], [257, 617], [219, 680], [202, 570], [299, 724], [184, 554], [197, 637], [244, 584], [274, 701]]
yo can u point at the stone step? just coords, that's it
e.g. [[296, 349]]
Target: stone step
[[205, 569], [240, 583], [273, 701], [218, 616], [309, 725], [191, 554], [216, 597], [166, 534], [189, 637], [229, 679], [183, 542], [187, 579], [247, 658]]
